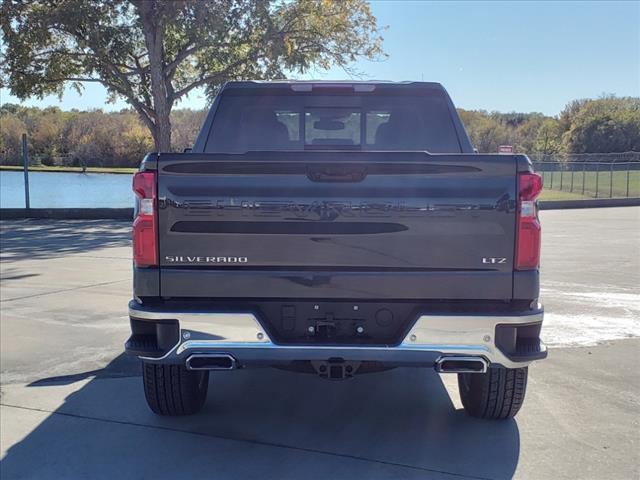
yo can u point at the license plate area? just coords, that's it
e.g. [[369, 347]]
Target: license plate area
[[337, 322]]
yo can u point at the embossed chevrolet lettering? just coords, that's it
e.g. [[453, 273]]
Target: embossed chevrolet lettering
[[321, 210]]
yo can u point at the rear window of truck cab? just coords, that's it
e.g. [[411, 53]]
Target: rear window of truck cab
[[332, 122]]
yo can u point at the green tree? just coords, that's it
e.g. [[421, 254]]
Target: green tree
[[154, 52], [569, 112], [605, 125], [486, 131], [46, 135], [524, 132], [548, 137], [11, 130], [186, 125]]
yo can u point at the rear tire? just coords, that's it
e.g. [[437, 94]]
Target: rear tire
[[497, 394], [173, 390]]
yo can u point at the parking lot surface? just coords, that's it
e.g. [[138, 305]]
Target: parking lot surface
[[72, 404]]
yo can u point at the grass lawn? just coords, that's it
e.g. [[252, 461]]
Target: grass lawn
[[71, 169], [592, 181]]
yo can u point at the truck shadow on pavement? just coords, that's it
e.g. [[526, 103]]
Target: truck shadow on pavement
[[40, 239], [263, 423]]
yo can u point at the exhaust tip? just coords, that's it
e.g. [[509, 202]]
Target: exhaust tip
[[461, 365], [213, 361]]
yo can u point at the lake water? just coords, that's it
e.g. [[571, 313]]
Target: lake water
[[66, 190]]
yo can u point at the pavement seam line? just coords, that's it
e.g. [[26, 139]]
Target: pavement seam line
[[244, 440], [65, 290]]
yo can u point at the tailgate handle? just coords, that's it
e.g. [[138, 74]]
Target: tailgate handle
[[336, 174]]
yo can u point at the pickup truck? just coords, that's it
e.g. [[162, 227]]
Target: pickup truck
[[336, 229]]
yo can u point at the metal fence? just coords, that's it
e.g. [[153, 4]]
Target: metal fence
[[585, 157], [591, 175]]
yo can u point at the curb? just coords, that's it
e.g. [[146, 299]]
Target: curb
[[127, 213], [67, 213], [90, 171], [591, 203]]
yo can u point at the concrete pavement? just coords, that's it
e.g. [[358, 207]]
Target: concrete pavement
[[580, 420], [64, 287], [72, 404], [590, 279]]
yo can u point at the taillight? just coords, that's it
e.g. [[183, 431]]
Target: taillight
[[145, 225], [528, 226]]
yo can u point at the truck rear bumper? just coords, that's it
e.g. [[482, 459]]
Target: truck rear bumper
[[168, 336], [172, 337]]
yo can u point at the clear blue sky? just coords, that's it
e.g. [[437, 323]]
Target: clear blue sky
[[520, 56]]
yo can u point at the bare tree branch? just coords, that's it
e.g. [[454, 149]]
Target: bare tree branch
[[210, 78], [170, 69]]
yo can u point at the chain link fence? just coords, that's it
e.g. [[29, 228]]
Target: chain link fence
[[607, 175]]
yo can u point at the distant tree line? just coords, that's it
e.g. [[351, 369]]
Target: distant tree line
[[605, 125], [90, 138], [119, 139]]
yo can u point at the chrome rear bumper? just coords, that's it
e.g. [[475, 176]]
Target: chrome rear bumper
[[432, 337]]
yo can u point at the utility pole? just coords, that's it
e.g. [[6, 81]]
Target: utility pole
[[25, 161]]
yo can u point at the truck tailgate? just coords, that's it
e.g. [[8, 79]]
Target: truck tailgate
[[392, 214]]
